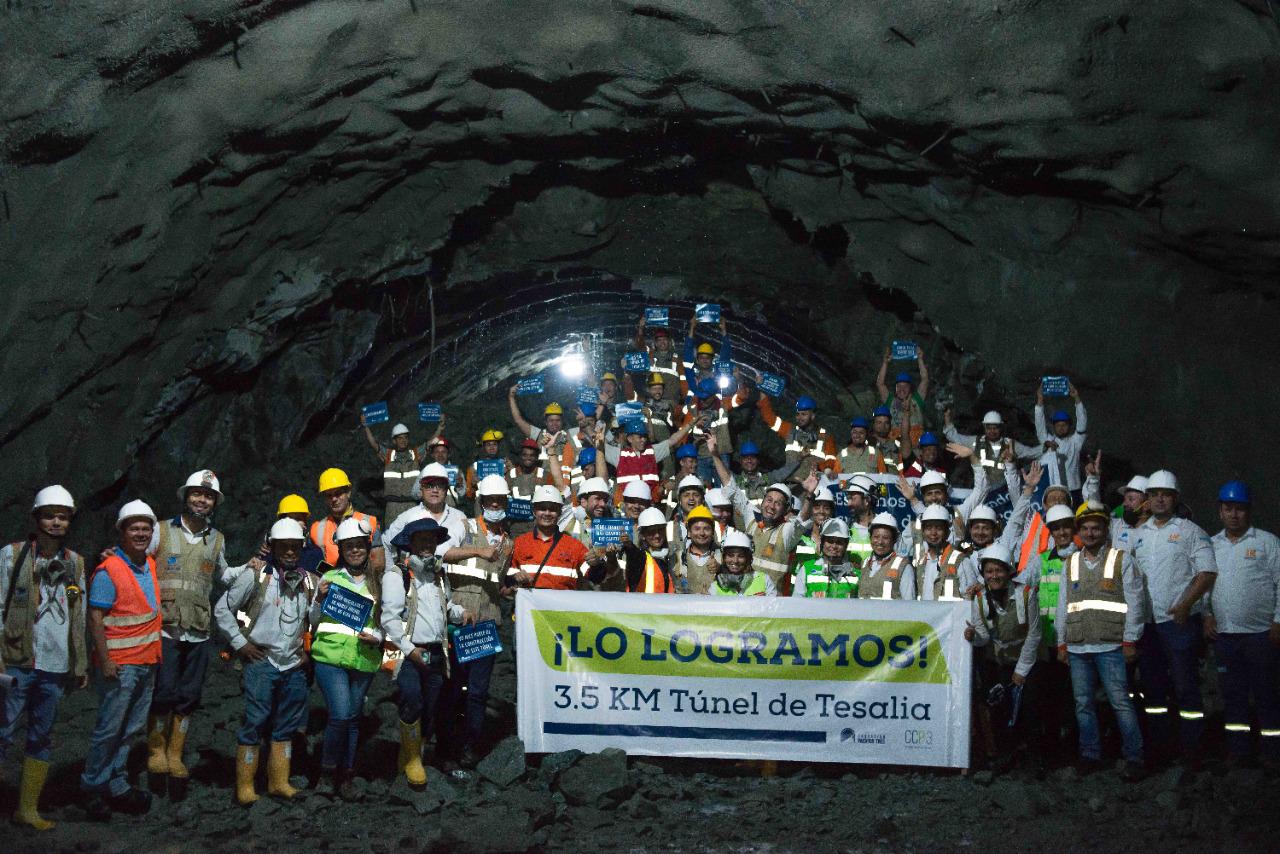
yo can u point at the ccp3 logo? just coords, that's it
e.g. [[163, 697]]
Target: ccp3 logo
[[918, 737]]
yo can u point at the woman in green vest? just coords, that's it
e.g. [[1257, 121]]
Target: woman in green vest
[[735, 576], [346, 658]]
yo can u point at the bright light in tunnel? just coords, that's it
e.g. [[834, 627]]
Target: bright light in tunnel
[[724, 382], [572, 365]]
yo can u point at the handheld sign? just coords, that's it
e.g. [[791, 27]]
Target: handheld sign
[[484, 468], [707, 312], [520, 510], [478, 641], [636, 362], [453, 474], [530, 385], [429, 412], [347, 607], [1055, 386], [628, 410], [376, 413], [657, 317], [772, 384], [904, 350], [587, 394], [610, 532]]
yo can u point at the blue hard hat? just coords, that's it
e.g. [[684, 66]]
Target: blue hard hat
[[587, 456], [859, 422], [684, 451], [1235, 492], [804, 402], [749, 449], [1060, 415], [588, 409], [903, 377], [928, 440], [706, 388], [635, 427], [881, 410], [405, 537]]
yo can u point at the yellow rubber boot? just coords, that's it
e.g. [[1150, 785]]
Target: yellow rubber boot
[[246, 769], [278, 770], [157, 745], [34, 773], [411, 753], [177, 741]]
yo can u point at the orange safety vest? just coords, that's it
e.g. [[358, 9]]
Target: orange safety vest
[[132, 627], [1035, 541], [654, 579], [322, 533]]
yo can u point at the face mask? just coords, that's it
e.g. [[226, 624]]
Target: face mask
[[494, 516], [293, 579], [424, 566], [660, 553], [839, 571], [731, 581]]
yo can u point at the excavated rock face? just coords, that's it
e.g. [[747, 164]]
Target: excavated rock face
[[224, 224]]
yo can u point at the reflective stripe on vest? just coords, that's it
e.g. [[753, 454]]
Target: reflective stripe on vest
[[1036, 541], [132, 628], [765, 541], [653, 580]]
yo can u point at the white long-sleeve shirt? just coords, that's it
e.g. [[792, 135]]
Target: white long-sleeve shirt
[[433, 600], [1069, 448], [1027, 614], [451, 519], [1246, 596], [1131, 584], [1168, 557], [281, 623]]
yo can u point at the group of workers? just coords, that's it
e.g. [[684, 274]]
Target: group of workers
[[1063, 598]]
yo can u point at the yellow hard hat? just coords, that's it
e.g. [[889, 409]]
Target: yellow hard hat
[[293, 504], [1091, 508], [656, 379], [699, 512], [609, 376], [553, 409], [706, 348], [492, 436], [334, 479]]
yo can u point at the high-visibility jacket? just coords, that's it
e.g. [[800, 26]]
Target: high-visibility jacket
[[476, 582], [132, 627], [1049, 583], [801, 443], [187, 573], [338, 644], [671, 368], [879, 580], [1010, 626], [633, 466], [523, 483], [769, 556], [757, 586], [717, 422], [322, 533], [400, 470], [854, 460], [654, 579], [859, 544], [988, 456], [818, 584], [1034, 542], [946, 582], [562, 569], [887, 455], [1096, 608]]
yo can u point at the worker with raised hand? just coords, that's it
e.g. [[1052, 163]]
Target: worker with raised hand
[[273, 648], [890, 455], [989, 448], [401, 462], [698, 558], [42, 586], [905, 403], [1243, 621], [773, 530], [190, 560], [1062, 447], [935, 559], [749, 479], [738, 573], [664, 361], [885, 574], [490, 446], [985, 530], [829, 574], [552, 426], [1175, 558], [1098, 625], [640, 458], [1133, 509], [700, 359], [125, 625], [933, 488], [431, 490], [706, 414], [808, 448], [335, 491], [648, 565]]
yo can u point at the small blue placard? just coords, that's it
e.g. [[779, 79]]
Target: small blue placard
[[347, 607], [530, 385], [628, 410], [1055, 386], [376, 413], [636, 362], [478, 641], [707, 312], [429, 412], [723, 367], [484, 468], [610, 532], [453, 474], [772, 384], [520, 510], [587, 394], [657, 317], [905, 350]]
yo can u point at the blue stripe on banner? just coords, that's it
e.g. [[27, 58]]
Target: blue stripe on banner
[[722, 733]]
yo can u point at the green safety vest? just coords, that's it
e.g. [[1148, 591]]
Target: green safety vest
[[1050, 582], [335, 643], [818, 585], [859, 546], [755, 587]]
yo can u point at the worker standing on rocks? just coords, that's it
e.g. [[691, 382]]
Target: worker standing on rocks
[[417, 607], [886, 574], [1063, 447], [346, 658], [1044, 574], [42, 587], [1243, 621], [125, 625], [1175, 558], [1098, 625], [546, 557], [400, 466], [335, 489], [830, 575], [190, 560], [273, 649], [905, 403]]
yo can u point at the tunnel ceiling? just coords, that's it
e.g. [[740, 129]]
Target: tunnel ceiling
[[220, 220]]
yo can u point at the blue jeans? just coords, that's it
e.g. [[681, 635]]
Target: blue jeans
[[275, 703], [1087, 670], [1169, 670], [37, 693], [420, 690], [122, 716], [1251, 669], [344, 692], [180, 678], [475, 677]]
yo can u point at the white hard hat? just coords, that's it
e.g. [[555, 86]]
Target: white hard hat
[[933, 478], [593, 485], [651, 517], [825, 493], [861, 483], [203, 478], [1059, 513], [288, 529], [735, 539], [936, 513], [433, 471], [884, 520], [53, 496], [983, 513], [491, 485], [1162, 480], [1137, 483], [836, 529], [350, 528], [638, 490], [690, 481], [545, 493], [780, 487], [992, 417], [135, 510], [996, 551], [717, 498], [399, 430]]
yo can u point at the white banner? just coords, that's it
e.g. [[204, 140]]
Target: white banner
[[813, 680]]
